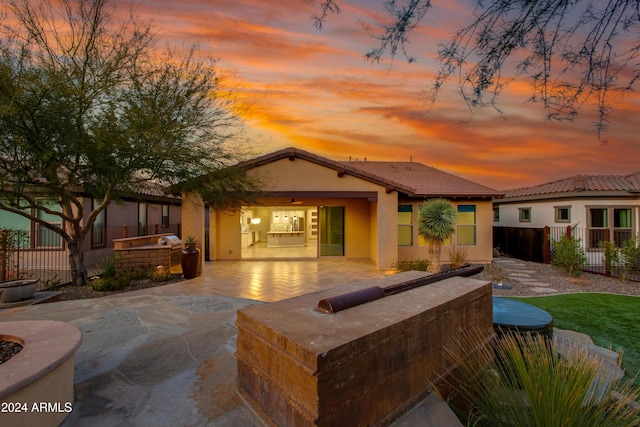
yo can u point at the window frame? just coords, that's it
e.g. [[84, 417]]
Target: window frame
[[521, 216], [103, 232], [473, 225], [609, 231], [408, 208], [36, 227], [558, 210]]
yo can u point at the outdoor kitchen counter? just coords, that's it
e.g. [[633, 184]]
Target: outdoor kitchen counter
[[276, 239]]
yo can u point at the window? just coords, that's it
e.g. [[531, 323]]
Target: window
[[496, 214], [622, 231], [142, 219], [405, 225], [98, 236], [525, 214], [602, 228], [46, 238], [563, 214], [466, 225], [165, 216]]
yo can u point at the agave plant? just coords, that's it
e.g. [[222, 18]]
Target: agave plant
[[436, 223], [522, 380]]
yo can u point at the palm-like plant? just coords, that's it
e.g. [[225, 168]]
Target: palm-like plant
[[436, 223]]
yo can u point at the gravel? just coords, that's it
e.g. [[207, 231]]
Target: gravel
[[557, 280]]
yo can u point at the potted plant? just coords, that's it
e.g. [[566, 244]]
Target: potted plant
[[190, 258]]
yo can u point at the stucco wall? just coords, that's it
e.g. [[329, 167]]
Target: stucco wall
[[543, 212], [481, 252], [362, 225]]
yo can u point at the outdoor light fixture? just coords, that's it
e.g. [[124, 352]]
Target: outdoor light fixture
[[256, 220]]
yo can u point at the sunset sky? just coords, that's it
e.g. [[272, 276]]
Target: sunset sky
[[312, 89]]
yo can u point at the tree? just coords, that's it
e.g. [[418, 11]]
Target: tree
[[436, 223], [572, 52], [89, 106]]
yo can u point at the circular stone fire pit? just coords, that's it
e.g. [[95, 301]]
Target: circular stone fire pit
[[40, 377], [18, 290]]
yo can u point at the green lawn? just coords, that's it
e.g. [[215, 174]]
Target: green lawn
[[611, 321]]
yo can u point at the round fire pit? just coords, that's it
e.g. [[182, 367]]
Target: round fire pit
[[18, 290]]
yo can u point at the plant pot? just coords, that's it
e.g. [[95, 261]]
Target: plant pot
[[190, 261], [18, 290]]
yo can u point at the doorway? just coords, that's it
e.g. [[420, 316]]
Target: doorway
[[332, 231], [279, 232]]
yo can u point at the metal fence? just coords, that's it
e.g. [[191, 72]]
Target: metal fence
[[41, 254]]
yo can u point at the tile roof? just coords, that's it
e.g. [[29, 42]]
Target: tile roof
[[411, 178], [425, 180], [582, 183], [152, 190]]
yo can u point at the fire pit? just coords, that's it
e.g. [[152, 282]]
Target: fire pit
[[18, 290]]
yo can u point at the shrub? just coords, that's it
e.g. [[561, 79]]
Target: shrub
[[109, 267], [138, 273], [52, 283], [623, 261], [102, 284], [411, 264], [569, 255], [457, 256], [160, 274], [523, 380]]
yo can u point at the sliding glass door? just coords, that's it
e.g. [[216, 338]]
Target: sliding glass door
[[331, 230]]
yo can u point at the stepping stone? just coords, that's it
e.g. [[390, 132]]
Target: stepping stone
[[537, 284], [522, 278], [544, 290], [524, 271], [569, 336], [519, 275]]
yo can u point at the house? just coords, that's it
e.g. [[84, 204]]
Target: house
[[43, 254], [314, 207], [596, 208]]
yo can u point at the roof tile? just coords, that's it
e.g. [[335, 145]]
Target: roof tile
[[629, 183]]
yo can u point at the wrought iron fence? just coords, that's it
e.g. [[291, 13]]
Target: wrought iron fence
[[41, 254]]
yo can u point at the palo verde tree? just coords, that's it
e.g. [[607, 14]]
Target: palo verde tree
[[436, 224], [89, 106], [572, 52]]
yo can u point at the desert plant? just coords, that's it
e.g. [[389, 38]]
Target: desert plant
[[51, 284], [437, 218], [523, 380], [190, 240], [497, 274], [569, 255], [160, 274], [411, 264], [457, 256]]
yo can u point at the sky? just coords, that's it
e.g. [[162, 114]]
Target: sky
[[312, 89]]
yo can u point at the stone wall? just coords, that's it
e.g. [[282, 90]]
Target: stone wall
[[362, 366], [144, 251]]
